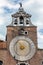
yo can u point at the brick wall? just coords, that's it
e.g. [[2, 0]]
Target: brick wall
[[12, 32]]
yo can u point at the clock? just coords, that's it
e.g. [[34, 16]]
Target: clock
[[22, 48]]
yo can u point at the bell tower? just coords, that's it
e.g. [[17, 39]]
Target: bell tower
[[21, 18], [21, 37]]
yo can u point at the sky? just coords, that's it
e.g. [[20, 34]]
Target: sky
[[33, 7]]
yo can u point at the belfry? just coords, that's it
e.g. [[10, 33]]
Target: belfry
[[21, 46]]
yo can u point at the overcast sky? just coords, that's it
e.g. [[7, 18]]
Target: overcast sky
[[33, 7]]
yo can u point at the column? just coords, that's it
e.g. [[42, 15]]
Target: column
[[24, 21], [18, 21]]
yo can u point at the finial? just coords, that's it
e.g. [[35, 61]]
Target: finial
[[20, 4]]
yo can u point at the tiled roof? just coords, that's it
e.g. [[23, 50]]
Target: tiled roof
[[3, 44]]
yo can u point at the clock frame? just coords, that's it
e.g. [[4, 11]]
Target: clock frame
[[15, 53]]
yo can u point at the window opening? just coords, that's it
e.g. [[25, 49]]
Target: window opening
[[15, 22], [26, 32], [21, 20], [27, 22], [22, 64]]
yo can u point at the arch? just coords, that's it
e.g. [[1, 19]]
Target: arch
[[21, 19], [21, 31], [1, 62], [23, 63]]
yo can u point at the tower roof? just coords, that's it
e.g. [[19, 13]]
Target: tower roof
[[21, 12], [21, 18]]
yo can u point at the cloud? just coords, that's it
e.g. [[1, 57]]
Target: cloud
[[28, 2], [40, 2], [39, 24], [5, 3], [1, 11], [2, 19], [40, 40], [2, 37]]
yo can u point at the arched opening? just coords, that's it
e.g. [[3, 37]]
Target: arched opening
[[42, 62], [21, 19], [22, 64], [1, 62], [27, 22], [21, 31], [15, 22]]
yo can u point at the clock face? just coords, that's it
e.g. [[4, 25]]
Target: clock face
[[22, 48]]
